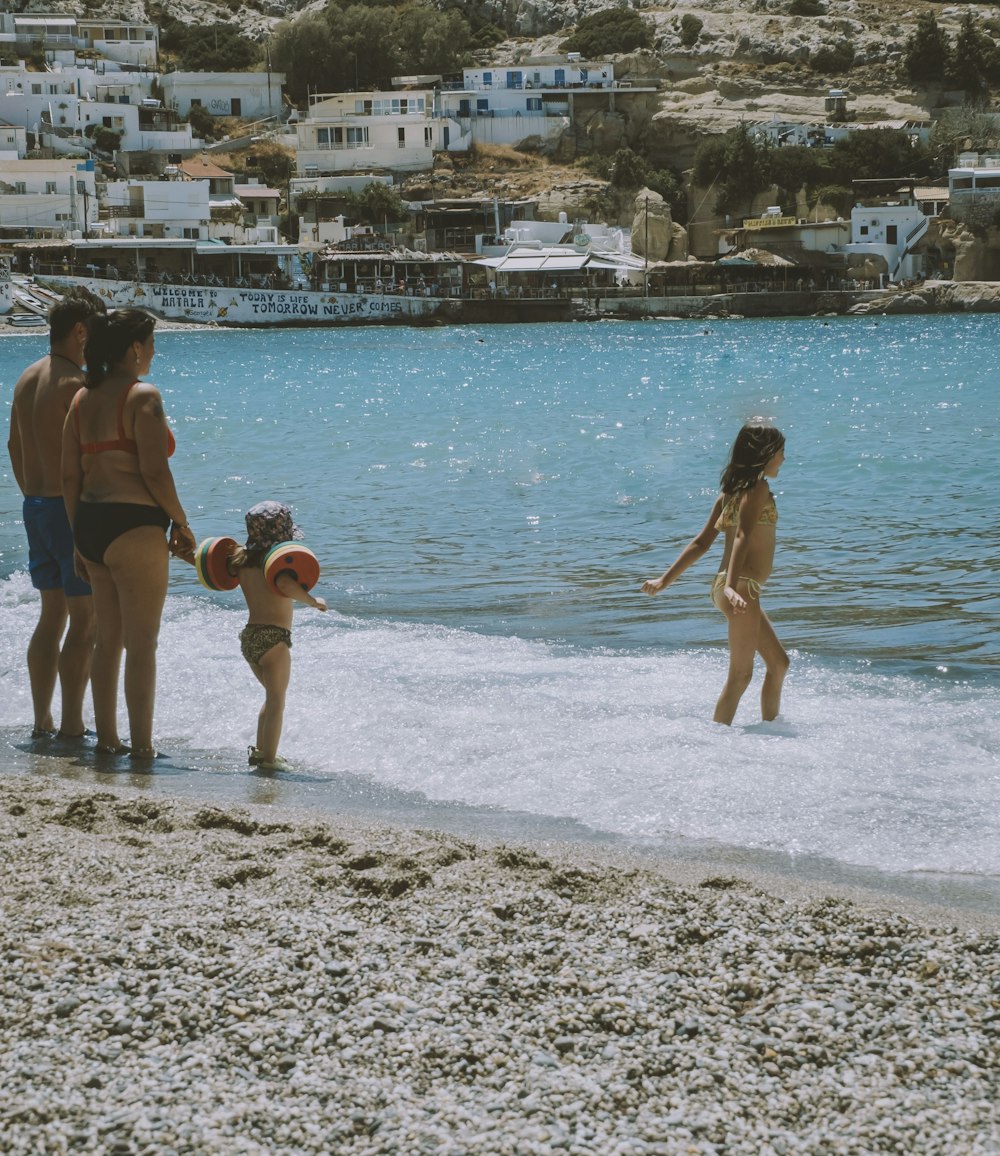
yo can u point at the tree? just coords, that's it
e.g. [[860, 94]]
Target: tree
[[960, 130], [925, 54], [972, 61], [611, 30], [375, 204], [877, 153], [744, 170], [217, 48], [628, 170], [304, 50]]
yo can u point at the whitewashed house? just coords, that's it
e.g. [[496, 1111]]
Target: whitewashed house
[[47, 198], [395, 131], [562, 73], [126, 41], [887, 222], [259, 202], [974, 188], [62, 37], [228, 217], [250, 95], [161, 209], [13, 142]]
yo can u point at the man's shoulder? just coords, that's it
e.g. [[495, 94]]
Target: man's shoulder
[[30, 377]]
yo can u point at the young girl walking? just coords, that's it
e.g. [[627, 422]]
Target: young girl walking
[[266, 640], [746, 513]]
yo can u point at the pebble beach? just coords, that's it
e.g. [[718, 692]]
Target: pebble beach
[[190, 979]]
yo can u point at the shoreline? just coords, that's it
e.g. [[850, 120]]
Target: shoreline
[[930, 298], [198, 979], [210, 778]]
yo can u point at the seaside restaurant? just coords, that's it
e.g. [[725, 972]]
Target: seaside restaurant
[[551, 271]]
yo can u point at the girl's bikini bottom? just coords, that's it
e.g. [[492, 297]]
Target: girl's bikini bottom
[[98, 524], [719, 584]]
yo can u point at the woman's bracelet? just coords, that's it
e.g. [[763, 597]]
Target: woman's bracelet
[[180, 525]]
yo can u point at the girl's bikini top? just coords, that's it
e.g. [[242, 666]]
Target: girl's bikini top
[[126, 445], [729, 519]]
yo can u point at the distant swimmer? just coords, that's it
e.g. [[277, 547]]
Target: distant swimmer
[[746, 513]]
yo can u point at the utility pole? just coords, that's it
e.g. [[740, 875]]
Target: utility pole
[[645, 254]]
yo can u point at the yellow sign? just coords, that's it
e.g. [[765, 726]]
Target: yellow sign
[[767, 222]]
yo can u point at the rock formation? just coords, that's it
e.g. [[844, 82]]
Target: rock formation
[[655, 235]]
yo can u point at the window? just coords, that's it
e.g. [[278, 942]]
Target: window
[[863, 230], [482, 105], [81, 187], [428, 137], [36, 90], [20, 188], [488, 79], [50, 186], [192, 234], [534, 104], [401, 137], [195, 103]]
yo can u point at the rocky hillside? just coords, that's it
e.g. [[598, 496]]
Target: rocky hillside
[[750, 59]]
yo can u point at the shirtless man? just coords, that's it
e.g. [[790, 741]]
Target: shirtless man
[[42, 397]]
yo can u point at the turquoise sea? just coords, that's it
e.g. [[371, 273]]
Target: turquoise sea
[[486, 503]]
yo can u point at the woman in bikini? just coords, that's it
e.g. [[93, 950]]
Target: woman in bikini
[[121, 501], [746, 513]]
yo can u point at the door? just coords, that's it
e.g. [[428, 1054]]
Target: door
[[891, 234]]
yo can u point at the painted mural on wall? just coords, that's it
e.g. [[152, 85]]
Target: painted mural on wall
[[229, 306]]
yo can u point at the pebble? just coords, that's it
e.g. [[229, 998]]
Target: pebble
[[465, 999]]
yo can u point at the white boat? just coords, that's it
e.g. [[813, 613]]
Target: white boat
[[25, 320], [27, 300]]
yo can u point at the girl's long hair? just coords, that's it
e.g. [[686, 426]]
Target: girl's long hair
[[109, 338], [755, 445]]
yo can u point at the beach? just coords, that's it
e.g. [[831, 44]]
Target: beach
[[188, 978]]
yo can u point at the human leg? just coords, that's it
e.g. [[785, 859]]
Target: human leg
[[75, 661], [743, 632], [273, 672], [137, 562], [776, 662], [43, 656], [107, 657]]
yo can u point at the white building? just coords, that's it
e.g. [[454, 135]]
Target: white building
[[13, 142], [397, 131], [250, 95], [974, 187], [62, 37], [162, 209], [47, 198], [887, 222], [561, 73]]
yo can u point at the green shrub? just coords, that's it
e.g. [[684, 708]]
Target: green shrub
[[840, 58], [691, 28], [611, 30]]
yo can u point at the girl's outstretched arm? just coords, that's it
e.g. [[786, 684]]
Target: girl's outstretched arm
[[291, 588], [698, 545]]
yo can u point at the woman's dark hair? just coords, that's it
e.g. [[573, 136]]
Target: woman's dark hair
[[109, 339], [755, 445]]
